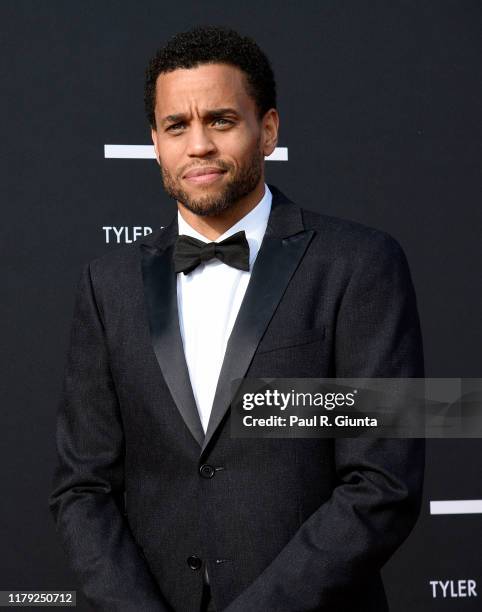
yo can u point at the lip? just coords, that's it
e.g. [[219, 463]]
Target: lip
[[207, 174]]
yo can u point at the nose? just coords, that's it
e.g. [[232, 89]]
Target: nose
[[200, 142]]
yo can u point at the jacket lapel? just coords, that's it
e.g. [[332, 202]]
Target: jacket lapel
[[281, 251], [160, 290]]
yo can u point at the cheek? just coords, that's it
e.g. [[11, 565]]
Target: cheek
[[239, 149], [170, 157]]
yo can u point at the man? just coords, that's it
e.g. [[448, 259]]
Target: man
[[159, 508]]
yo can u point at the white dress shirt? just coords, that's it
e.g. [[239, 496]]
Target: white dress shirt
[[209, 299]]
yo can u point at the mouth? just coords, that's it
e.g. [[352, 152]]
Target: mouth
[[204, 176]]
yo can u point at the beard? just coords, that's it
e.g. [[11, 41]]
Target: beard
[[238, 186]]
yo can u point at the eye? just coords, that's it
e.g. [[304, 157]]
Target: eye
[[175, 127], [225, 121]]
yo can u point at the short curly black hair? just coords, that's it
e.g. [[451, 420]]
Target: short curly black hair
[[213, 45]]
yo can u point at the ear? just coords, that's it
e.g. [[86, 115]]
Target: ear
[[270, 126], [154, 142]]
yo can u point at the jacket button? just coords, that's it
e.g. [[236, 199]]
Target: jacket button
[[207, 471], [194, 562]]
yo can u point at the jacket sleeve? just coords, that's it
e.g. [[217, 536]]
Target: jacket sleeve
[[88, 485], [338, 551]]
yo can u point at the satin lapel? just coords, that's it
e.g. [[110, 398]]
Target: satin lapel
[[160, 289], [275, 264]]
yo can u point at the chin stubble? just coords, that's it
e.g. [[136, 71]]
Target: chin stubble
[[210, 205]]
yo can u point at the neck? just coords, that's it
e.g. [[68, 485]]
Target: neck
[[212, 227]]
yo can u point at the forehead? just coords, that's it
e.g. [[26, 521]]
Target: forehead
[[206, 86]]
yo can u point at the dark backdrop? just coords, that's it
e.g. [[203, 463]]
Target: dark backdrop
[[380, 111]]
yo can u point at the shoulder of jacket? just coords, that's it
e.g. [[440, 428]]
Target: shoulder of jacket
[[348, 235], [122, 256]]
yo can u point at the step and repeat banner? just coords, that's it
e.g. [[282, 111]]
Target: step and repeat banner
[[379, 106]]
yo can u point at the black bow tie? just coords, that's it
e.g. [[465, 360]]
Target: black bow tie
[[189, 252]]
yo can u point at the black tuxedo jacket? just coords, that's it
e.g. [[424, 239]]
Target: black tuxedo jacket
[[283, 525]]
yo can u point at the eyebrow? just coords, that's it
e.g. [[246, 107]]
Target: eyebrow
[[210, 114]]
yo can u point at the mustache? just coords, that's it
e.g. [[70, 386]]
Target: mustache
[[219, 165]]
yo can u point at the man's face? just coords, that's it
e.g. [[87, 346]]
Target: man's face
[[209, 141]]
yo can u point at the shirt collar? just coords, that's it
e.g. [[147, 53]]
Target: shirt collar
[[254, 225]]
